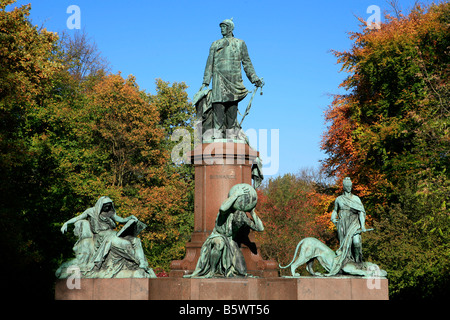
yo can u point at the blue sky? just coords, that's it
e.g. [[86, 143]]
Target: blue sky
[[289, 43]]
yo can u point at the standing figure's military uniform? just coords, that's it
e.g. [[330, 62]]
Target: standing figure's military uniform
[[224, 68]]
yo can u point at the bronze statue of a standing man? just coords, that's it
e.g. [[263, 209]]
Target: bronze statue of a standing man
[[224, 68]]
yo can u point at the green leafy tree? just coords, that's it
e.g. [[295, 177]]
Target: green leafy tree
[[27, 65], [71, 132], [390, 134], [117, 146]]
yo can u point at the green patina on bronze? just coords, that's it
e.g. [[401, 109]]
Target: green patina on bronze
[[221, 255], [103, 252], [349, 217], [217, 107]]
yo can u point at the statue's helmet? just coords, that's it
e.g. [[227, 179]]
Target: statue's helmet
[[229, 23]]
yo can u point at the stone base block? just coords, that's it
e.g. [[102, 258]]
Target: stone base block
[[303, 288], [342, 288], [102, 289]]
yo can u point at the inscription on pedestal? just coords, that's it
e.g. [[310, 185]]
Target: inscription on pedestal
[[222, 176]]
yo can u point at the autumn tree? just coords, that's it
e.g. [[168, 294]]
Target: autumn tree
[[175, 113], [81, 56], [116, 146], [72, 132], [172, 206], [292, 208], [390, 134], [27, 65], [394, 118]]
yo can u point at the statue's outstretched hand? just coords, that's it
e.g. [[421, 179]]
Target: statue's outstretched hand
[[259, 83], [64, 228]]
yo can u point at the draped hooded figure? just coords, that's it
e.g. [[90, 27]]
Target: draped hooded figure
[[100, 252], [221, 254]]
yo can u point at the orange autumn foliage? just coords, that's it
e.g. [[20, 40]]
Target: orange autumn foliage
[[390, 133], [291, 209], [395, 102], [128, 126], [115, 143]]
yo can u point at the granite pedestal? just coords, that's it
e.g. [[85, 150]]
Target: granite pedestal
[[172, 288], [218, 167], [102, 289]]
